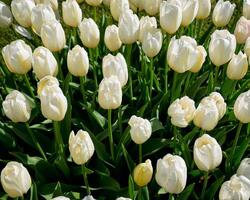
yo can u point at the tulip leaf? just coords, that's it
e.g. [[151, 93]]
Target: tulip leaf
[[187, 192], [213, 188], [153, 145], [156, 125], [129, 160], [131, 187], [33, 192]]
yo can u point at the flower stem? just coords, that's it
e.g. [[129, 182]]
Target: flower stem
[[111, 142], [151, 68], [140, 153], [85, 178], [29, 86], [171, 196], [58, 137], [128, 59], [92, 59], [139, 194], [82, 81], [175, 139], [204, 185], [216, 76], [120, 118]]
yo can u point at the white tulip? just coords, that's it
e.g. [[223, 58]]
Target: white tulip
[[106, 2], [89, 197], [244, 168], [123, 198], [152, 6], [46, 81], [94, 2], [202, 54], [72, 13], [117, 7], [143, 173], [171, 173], [247, 47], [111, 38], [242, 107], [17, 56], [146, 24], [52, 3], [246, 9], [5, 15], [204, 9], [141, 129], [189, 11], [242, 30], [220, 103], [61, 198], [81, 147], [15, 179]]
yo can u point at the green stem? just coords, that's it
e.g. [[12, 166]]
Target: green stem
[[175, 139], [60, 72], [85, 178], [236, 141], [216, 76], [171, 196], [22, 197], [187, 81], [58, 137], [111, 142], [29, 86], [174, 87], [139, 194], [120, 119], [140, 153], [82, 81], [151, 68], [92, 59], [204, 185], [128, 59]]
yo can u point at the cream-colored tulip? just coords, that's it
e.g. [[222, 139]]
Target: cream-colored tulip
[[207, 153], [146, 24], [136, 5], [242, 107], [117, 7], [182, 111], [106, 2], [110, 93], [143, 173], [89, 33], [244, 168], [44, 63], [115, 66], [72, 13], [21, 10], [242, 30], [152, 6], [123, 198], [141, 129], [53, 36], [81, 147], [128, 27], [78, 61], [171, 15], [17, 56], [222, 13], [94, 2], [40, 14], [16, 107], [61, 198], [200, 60], [171, 173], [221, 41], [15, 179], [89, 197], [220, 103], [46, 81], [52, 3], [111, 38], [182, 54], [204, 9], [5, 15], [246, 9], [189, 11], [237, 67], [247, 47]]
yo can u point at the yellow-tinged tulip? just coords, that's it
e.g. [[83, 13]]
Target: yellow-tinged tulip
[[143, 173]]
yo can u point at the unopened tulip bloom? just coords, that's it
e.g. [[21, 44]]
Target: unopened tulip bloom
[[189, 11], [204, 9], [89, 33], [21, 10], [220, 103], [152, 6], [117, 7], [78, 61], [242, 30], [53, 36], [143, 173], [123, 198], [52, 3], [237, 67], [171, 173], [94, 2], [141, 129], [246, 9], [242, 107], [17, 56], [16, 107], [146, 24], [171, 15], [72, 13], [44, 63], [5, 15], [128, 27], [207, 153], [15, 179], [222, 13], [182, 111], [115, 66], [247, 47], [110, 93], [200, 60], [244, 168], [234, 189], [89, 197], [111, 38], [39, 15], [61, 198], [81, 147], [46, 81], [221, 41]]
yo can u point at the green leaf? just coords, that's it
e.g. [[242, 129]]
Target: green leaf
[[129, 160], [26, 159], [210, 193], [186, 193], [156, 125], [33, 192], [131, 187], [153, 145], [105, 181]]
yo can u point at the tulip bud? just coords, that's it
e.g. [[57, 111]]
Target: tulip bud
[[170, 15], [89, 197], [234, 189], [123, 198], [247, 47], [146, 24], [110, 93], [152, 6], [16, 107], [89, 33], [61, 198], [204, 9], [189, 11], [143, 173], [52, 3], [21, 10], [207, 153], [17, 56], [242, 30], [244, 168], [182, 54], [111, 38], [44, 63], [39, 15], [5, 15], [46, 81], [237, 67], [72, 13], [94, 2], [141, 129], [53, 36], [117, 7], [15, 179], [220, 103], [182, 111], [171, 173], [222, 13], [115, 66], [246, 9], [78, 61], [221, 41], [202, 54], [242, 107], [81, 147]]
